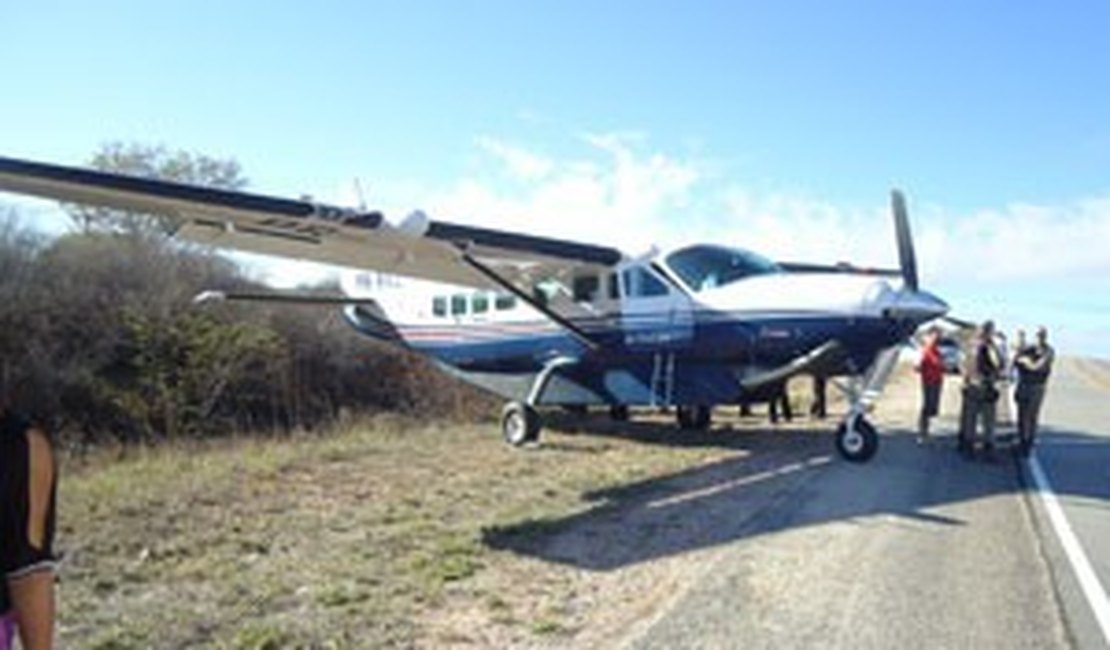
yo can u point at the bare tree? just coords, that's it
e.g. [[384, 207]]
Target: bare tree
[[152, 162]]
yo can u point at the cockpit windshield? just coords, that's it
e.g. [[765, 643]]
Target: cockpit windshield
[[705, 267]]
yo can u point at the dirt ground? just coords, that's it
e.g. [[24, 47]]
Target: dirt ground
[[394, 533]]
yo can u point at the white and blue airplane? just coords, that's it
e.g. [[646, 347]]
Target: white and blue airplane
[[544, 321]]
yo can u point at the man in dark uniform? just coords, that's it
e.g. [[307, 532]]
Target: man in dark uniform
[[27, 481], [980, 393], [1034, 364]]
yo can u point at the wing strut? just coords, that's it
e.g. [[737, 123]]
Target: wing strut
[[804, 363], [574, 330]]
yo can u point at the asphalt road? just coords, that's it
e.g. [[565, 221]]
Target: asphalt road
[[1073, 458], [918, 549]]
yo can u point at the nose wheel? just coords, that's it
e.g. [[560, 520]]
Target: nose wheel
[[856, 439]]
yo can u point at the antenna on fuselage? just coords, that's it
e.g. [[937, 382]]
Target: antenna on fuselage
[[359, 194]]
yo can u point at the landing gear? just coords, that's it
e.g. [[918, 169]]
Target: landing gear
[[695, 418], [856, 440], [618, 412], [520, 424]]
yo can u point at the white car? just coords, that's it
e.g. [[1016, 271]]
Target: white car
[[951, 355]]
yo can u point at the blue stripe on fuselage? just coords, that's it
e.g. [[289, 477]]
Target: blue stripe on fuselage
[[766, 339]]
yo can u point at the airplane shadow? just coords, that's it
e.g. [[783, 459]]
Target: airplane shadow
[[792, 479], [660, 429]]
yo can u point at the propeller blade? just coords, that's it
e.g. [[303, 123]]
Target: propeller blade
[[906, 257]]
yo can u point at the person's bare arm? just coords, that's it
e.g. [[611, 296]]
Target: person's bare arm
[[32, 592]]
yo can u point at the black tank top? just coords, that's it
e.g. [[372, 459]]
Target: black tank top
[[16, 552]]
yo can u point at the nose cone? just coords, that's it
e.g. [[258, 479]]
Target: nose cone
[[918, 306]]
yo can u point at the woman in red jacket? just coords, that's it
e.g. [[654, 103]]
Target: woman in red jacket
[[931, 367]]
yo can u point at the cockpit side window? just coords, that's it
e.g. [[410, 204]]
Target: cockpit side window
[[706, 267], [641, 283]]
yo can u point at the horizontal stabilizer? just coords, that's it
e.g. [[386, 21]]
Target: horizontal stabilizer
[[277, 297]]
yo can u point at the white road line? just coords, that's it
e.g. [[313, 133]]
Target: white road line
[[1072, 443], [1088, 579]]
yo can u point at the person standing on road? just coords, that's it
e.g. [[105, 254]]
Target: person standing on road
[[819, 409], [27, 483], [980, 392], [1012, 372], [1034, 364], [1003, 414], [931, 368], [988, 367], [780, 400]]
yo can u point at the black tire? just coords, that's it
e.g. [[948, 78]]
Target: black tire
[[703, 416], [694, 418], [856, 440], [520, 424], [684, 417], [619, 412]]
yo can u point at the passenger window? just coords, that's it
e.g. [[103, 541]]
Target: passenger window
[[458, 305], [439, 306], [586, 288], [480, 303], [504, 301]]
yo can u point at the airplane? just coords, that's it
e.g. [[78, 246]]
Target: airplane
[[545, 321]]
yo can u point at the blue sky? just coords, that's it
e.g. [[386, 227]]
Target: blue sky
[[777, 125]]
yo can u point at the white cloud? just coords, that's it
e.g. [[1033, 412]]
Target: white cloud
[[522, 164], [612, 193], [798, 228], [617, 190], [1023, 241]]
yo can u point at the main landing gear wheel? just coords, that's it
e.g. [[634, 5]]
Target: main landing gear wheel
[[520, 424], [694, 417], [856, 440]]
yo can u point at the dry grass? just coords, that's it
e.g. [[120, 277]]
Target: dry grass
[[370, 537]]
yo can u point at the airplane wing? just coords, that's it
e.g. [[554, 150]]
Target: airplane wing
[[418, 247], [842, 267]]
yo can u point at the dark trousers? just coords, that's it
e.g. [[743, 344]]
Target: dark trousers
[[780, 401], [976, 409], [1029, 400], [818, 409]]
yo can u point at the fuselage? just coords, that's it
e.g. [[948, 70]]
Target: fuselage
[[682, 328]]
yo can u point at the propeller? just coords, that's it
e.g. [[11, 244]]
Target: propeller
[[906, 257], [911, 302]]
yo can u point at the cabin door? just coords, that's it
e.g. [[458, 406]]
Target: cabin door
[[654, 315]]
